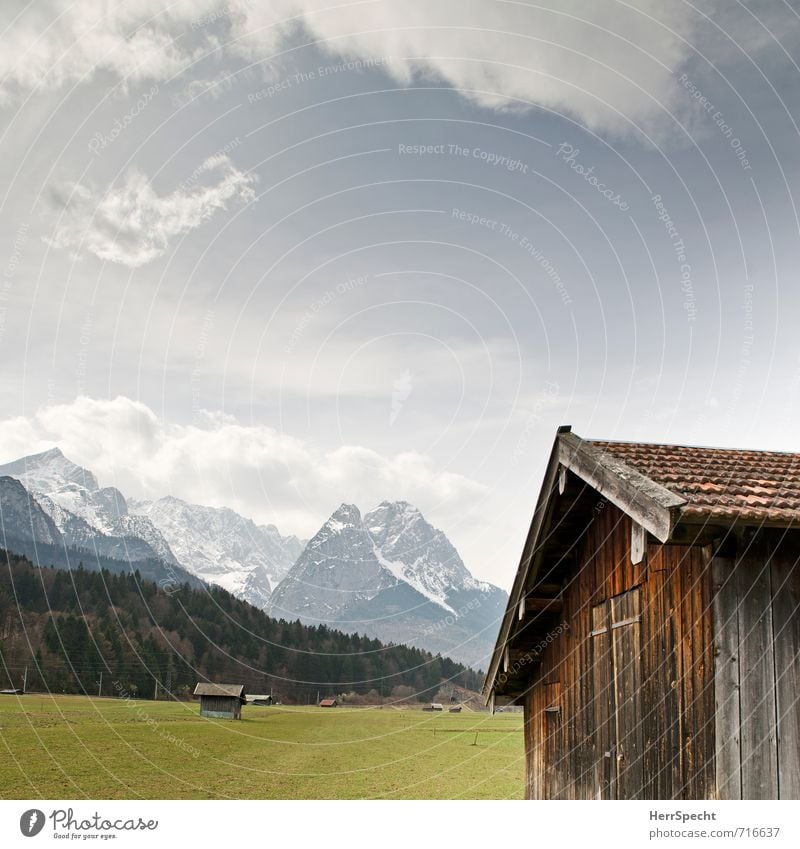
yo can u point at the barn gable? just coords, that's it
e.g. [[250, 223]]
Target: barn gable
[[657, 589]]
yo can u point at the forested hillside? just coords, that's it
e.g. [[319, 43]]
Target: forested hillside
[[98, 631]]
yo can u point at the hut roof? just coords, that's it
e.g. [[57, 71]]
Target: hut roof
[[328, 703], [658, 486], [232, 690], [718, 482]]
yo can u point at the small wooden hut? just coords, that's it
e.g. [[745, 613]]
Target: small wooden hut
[[222, 701], [652, 634], [329, 703]]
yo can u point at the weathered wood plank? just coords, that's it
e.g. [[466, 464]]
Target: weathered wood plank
[[756, 674], [652, 505], [785, 580], [626, 648], [602, 686]]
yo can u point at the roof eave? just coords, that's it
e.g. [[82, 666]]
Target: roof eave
[[539, 516], [654, 507]]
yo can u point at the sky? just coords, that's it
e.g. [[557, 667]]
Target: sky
[[282, 256]]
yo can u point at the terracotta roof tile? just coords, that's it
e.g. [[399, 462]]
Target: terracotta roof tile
[[719, 482]]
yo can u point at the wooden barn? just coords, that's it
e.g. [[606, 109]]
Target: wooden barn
[[222, 701], [329, 703], [652, 634]]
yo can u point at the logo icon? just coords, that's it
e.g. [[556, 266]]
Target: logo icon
[[31, 822]]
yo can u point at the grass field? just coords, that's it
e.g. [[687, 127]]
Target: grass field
[[74, 747]]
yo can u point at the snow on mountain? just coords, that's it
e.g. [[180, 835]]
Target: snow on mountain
[[337, 568], [222, 547], [393, 576], [86, 513], [21, 516]]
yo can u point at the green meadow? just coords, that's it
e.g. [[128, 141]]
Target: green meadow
[[71, 747]]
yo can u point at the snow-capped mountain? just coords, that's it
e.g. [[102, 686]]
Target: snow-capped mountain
[[27, 528], [222, 547], [86, 514], [388, 574], [21, 517], [392, 575]]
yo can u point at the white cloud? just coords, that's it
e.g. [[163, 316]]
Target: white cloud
[[255, 470], [132, 225], [606, 63], [55, 42]]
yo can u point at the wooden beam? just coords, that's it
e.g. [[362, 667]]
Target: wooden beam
[[638, 543], [653, 506], [547, 589], [543, 605], [562, 479]]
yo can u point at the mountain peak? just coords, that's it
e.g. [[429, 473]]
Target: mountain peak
[[347, 513], [49, 471]]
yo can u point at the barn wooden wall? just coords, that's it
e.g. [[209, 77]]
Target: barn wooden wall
[[757, 627], [670, 751]]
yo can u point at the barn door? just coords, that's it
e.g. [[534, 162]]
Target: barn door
[[617, 685]]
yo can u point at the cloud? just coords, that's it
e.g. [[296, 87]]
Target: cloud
[[253, 469], [52, 43], [132, 225], [608, 64]]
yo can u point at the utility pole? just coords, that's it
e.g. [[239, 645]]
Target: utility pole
[[169, 681], [25, 681], [155, 694], [100, 685]]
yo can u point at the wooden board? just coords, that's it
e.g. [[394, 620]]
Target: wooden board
[[756, 674], [785, 579], [726, 680], [627, 663]]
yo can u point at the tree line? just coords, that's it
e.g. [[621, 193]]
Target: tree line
[[115, 633]]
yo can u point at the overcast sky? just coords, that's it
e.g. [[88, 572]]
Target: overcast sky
[[281, 258]]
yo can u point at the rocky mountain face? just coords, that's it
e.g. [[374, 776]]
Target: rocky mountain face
[[87, 515], [393, 576], [388, 574], [28, 527], [21, 517], [222, 547]]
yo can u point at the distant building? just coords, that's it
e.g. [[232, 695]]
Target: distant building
[[222, 701], [329, 703], [456, 709], [436, 706], [259, 700]]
